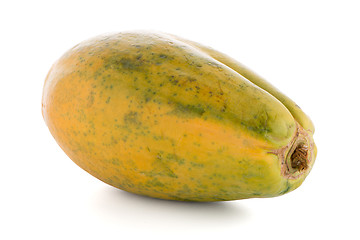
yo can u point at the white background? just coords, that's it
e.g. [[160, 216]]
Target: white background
[[310, 50]]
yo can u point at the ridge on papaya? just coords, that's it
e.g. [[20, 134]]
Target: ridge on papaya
[[158, 115]]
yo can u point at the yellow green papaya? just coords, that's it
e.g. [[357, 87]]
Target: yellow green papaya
[[161, 116]]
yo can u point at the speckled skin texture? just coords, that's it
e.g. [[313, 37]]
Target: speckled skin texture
[[161, 116]]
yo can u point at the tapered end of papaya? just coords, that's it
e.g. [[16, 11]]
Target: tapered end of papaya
[[297, 158]]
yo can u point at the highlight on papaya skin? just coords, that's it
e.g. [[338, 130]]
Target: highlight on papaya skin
[[157, 115]]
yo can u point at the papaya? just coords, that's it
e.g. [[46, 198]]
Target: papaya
[[158, 115]]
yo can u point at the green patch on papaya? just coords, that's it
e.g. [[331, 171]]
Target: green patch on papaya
[[124, 63], [160, 168], [132, 118], [154, 183], [197, 165], [257, 129], [287, 189], [259, 123], [129, 64], [188, 110], [174, 158]]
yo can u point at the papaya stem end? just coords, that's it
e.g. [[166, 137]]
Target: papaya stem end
[[298, 158]]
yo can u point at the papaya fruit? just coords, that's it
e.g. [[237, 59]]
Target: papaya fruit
[[161, 116]]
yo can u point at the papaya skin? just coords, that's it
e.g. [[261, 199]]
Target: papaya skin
[[295, 110], [160, 116]]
